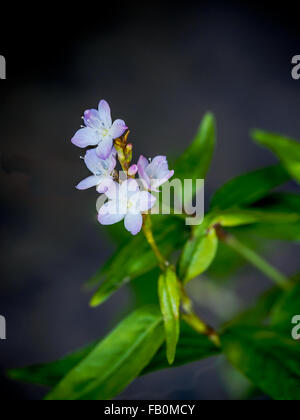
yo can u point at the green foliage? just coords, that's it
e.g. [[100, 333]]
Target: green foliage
[[169, 298], [198, 253], [287, 150], [287, 307], [136, 257], [282, 203], [248, 188], [201, 249], [144, 288], [115, 361], [195, 161], [116, 233], [240, 217], [191, 347], [268, 359], [243, 212]]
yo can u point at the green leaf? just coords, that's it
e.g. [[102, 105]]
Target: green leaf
[[285, 310], [280, 203], [116, 361], [249, 188], [286, 149], [195, 161], [169, 299], [200, 250], [269, 360], [239, 217], [136, 257], [144, 288], [198, 253], [191, 347]]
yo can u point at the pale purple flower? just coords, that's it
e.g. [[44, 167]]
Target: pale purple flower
[[154, 173], [99, 130], [132, 170], [101, 170], [126, 201]]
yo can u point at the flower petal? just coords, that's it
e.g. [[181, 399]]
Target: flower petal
[[142, 162], [146, 201], [85, 137], [111, 162], [113, 192], [117, 129], [93, 162], [142, 166], [97, 165], [89, 182], [129, 188], [104, 112], [156, 183], [105, 147], [92, 118], [108, 214], [157, 167], [105, 184], [133, 223]]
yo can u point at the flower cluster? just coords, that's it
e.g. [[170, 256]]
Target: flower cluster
[[127, 198]]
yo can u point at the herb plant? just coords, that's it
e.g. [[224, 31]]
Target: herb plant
[[165, 254]]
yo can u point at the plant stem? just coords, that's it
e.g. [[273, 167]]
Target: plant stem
[[120, 146], [255, 259], [191, 318], [147, 229], [198, 325]]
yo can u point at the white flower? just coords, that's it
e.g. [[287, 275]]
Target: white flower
[[154, 173], [101, 170], [127, 202], [99, 130]]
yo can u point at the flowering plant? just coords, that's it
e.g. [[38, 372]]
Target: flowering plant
[[260, 342]]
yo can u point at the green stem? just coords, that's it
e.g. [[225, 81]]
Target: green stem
[[251, 256], [199, 326], [191, 318]]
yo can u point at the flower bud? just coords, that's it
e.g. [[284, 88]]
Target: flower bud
[[128, 152], [132, 170]]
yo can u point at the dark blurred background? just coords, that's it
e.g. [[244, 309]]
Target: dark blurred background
[[160, 66]]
